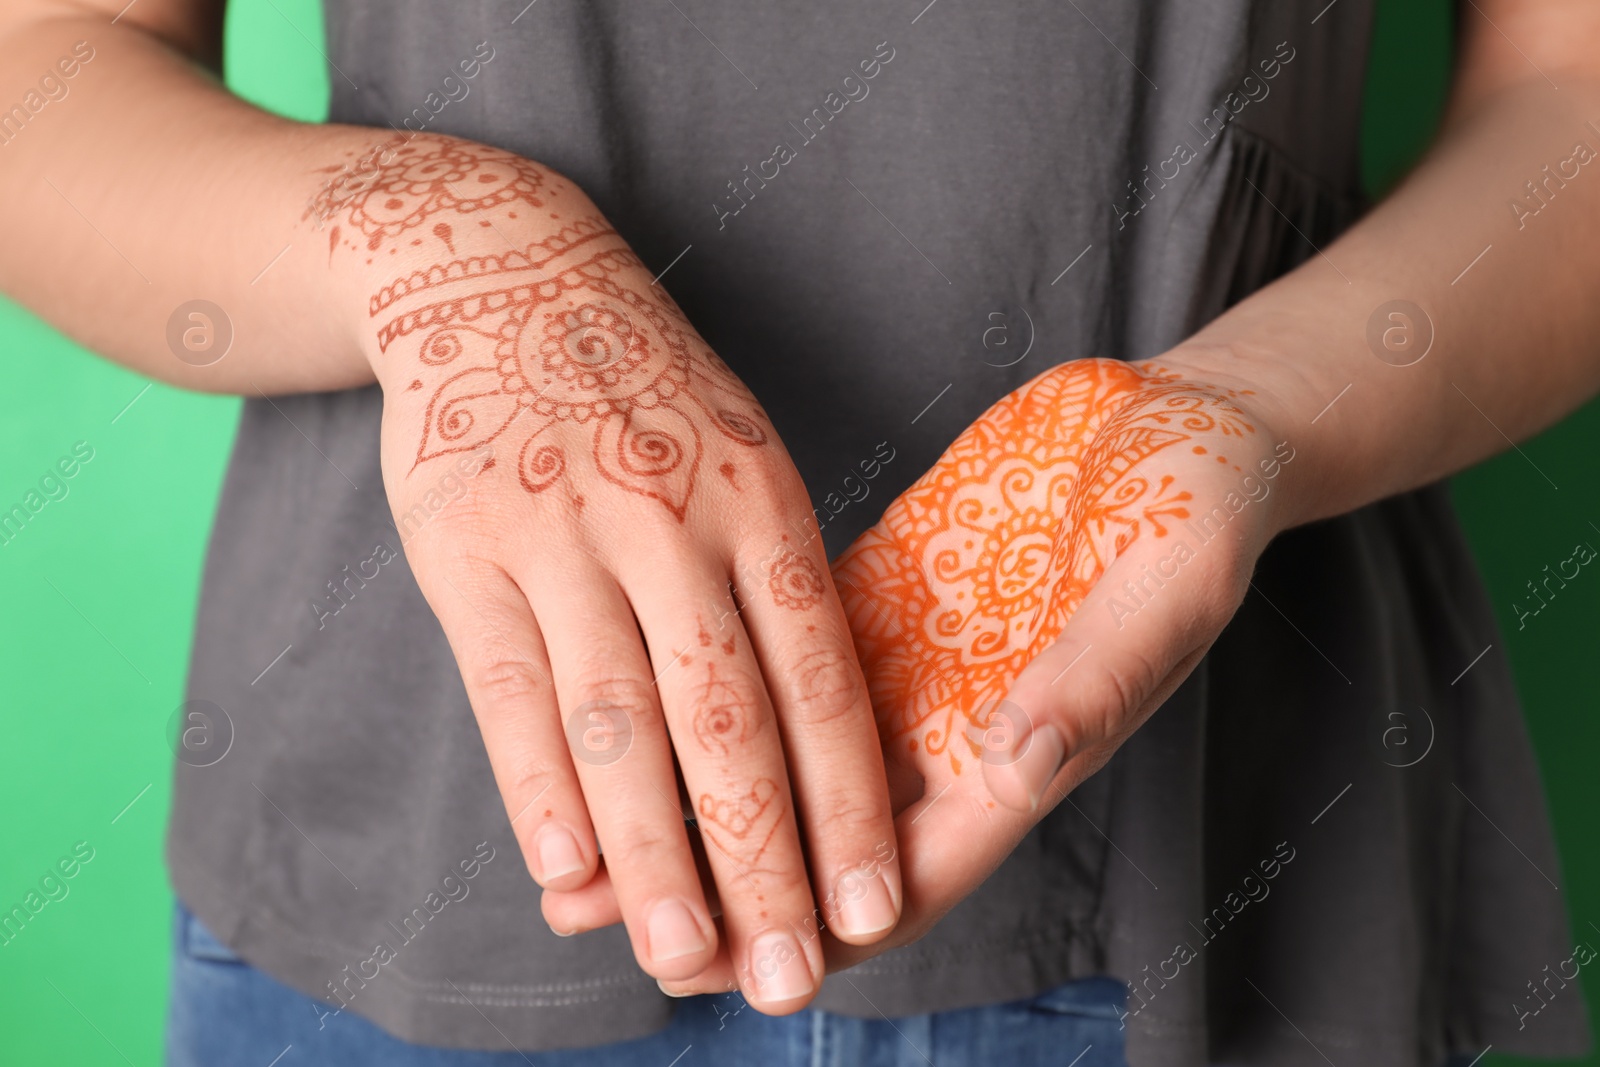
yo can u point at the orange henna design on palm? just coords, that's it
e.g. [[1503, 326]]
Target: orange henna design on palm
[[978, 566]]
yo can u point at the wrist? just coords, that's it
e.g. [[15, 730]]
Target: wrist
[[427, 229], [1274, 394]]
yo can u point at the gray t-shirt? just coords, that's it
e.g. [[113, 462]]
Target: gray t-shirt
[[1278, 872]]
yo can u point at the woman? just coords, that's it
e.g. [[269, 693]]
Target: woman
[[883, 222]]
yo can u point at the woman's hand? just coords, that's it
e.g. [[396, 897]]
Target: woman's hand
[[622, 576], [1030, 601], [1068, 554], [1033, 599]]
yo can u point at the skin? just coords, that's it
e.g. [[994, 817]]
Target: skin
[[1000, 606], [188, 156], [622, 442], [618, 580], [1513, 351]]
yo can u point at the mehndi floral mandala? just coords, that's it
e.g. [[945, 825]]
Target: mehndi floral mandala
[[401, 184], [978, 566], [560, 336]]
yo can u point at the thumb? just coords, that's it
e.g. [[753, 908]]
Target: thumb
[[1139, 632]]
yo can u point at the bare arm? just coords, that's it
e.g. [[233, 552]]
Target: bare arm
[[131, 182], [626, 575], [1514, 179], [1505, 272]]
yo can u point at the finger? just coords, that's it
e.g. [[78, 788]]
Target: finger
[[624, 761], [594, 905], [803, 645], [1124, 651], [589, 907], [955, 836], [506, 672], [951, 840], [732, 759], [718, 977]]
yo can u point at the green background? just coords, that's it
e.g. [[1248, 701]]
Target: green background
[[98, 596]]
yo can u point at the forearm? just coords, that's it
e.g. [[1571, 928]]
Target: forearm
[[141, 184], [1516, 328]]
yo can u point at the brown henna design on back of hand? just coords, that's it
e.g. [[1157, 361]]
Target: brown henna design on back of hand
[[559, 341], [572, 349], [400, 185], [978, 566]]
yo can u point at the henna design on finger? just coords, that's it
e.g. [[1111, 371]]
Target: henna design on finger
[[728, 647], [743, 826], [725, 714], [795, 581], [977, 567]]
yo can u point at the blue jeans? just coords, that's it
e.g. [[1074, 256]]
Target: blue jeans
[[223, 1011]]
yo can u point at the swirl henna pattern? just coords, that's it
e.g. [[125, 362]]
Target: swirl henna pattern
[[400, 185], [978, 566], [563, 342], [726, 718], [723, 716]]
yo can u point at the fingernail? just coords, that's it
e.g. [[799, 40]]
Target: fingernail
[[558, 853], [673, 932], [1041, 762], [866, 908], [670, 993], [780, 969]]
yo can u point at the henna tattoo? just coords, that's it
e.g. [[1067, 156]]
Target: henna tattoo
[[795, 582], [743, 826], [725, 714], [728, 646], [402, 184], [559, 341], [978, 566]]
